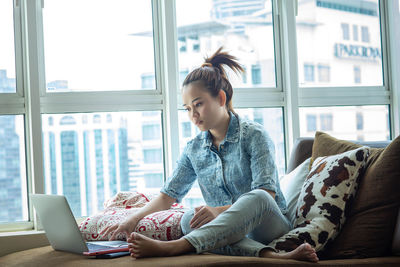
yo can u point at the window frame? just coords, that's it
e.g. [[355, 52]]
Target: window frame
[[33, 102]]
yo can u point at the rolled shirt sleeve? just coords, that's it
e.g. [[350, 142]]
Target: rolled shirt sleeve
[[182, 179], [262, 161]]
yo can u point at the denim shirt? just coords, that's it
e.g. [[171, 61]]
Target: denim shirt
[[244, 162]]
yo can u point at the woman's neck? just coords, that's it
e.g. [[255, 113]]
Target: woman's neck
[[220, 131]]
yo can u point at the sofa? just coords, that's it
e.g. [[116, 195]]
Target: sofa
[[369, 237]]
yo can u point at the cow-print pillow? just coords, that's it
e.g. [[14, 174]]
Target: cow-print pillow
[[325, 198]]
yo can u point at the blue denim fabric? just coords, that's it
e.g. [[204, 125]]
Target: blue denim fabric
[[255, 214], [244, 161]]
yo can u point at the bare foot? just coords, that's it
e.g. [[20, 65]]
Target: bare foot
[[141, 246], [304, 252]]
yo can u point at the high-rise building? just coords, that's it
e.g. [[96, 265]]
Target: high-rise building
[[10, 161], [85, 158]]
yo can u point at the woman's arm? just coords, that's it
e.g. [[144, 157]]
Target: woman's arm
[[161, 202]]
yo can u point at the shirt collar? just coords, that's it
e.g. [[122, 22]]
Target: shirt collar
[[232, 135]]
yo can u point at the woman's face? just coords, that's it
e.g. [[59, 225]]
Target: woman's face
[[203, 110]]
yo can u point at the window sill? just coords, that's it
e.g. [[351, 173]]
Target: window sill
[[17, 241]]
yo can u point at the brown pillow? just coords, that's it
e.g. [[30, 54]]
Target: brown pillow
[[368, 231]]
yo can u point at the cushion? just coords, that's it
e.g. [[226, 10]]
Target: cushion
[[369, 229], [162, 225], [325, 196], [291, 184]]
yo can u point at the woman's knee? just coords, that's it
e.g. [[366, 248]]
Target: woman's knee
[[261, 195], [185, 222]]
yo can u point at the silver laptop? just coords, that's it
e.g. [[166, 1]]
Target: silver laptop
[[63, 232]]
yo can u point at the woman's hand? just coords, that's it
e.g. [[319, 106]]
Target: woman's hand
[[205, 214], [126, 227]]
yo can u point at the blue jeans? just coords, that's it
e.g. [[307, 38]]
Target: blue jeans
[[244, 229]]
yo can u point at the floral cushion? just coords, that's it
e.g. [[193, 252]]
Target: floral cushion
[[325, 197], [162, 225]]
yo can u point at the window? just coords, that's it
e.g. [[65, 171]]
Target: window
[[151, 131], [97, 119], [7, 51], [339, 34], [148, 81], [359, 121], [355, 33], [308, 72], [153, 180], [311, 123], [364, 34], [345, 31], [182, 76], [152, 156], [90, 162], [350, 123], [357, 74], [182, 44], [186, 129], [13, 190], [256, 74], [326, 122], [324, 73], [245, 28], [99, 48]]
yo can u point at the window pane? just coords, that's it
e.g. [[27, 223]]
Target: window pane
[[13, 188], [270, 118], [362, 123], [7, 52], [337, 37], [89, 157], [108, 45], [244, 28]]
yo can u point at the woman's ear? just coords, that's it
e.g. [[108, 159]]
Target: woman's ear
[[222, 97]]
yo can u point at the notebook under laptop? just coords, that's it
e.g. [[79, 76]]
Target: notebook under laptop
[[63, 232]]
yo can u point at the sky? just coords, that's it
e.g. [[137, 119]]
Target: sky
[[89, 42]]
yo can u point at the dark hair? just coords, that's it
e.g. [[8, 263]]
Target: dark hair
[[213, 77]]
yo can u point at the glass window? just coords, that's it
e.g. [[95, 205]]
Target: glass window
[[151, 131], [244, 28], [360, 121], [90, 162], [326, 122], [186, 129], [364, 34], [13, 189], [311, 123], [270, 118], [148, 81], [367, 123], [324, 73], [152, 156], [328, 34], [355, 33], [105, 45], [345, 31], [153, 180], [308, 72], [256, 74], [182, 76], [357, 74], [7, 52]]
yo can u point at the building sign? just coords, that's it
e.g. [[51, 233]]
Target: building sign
[[356, 52]]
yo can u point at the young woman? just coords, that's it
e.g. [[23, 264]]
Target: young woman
[[233, 161]]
